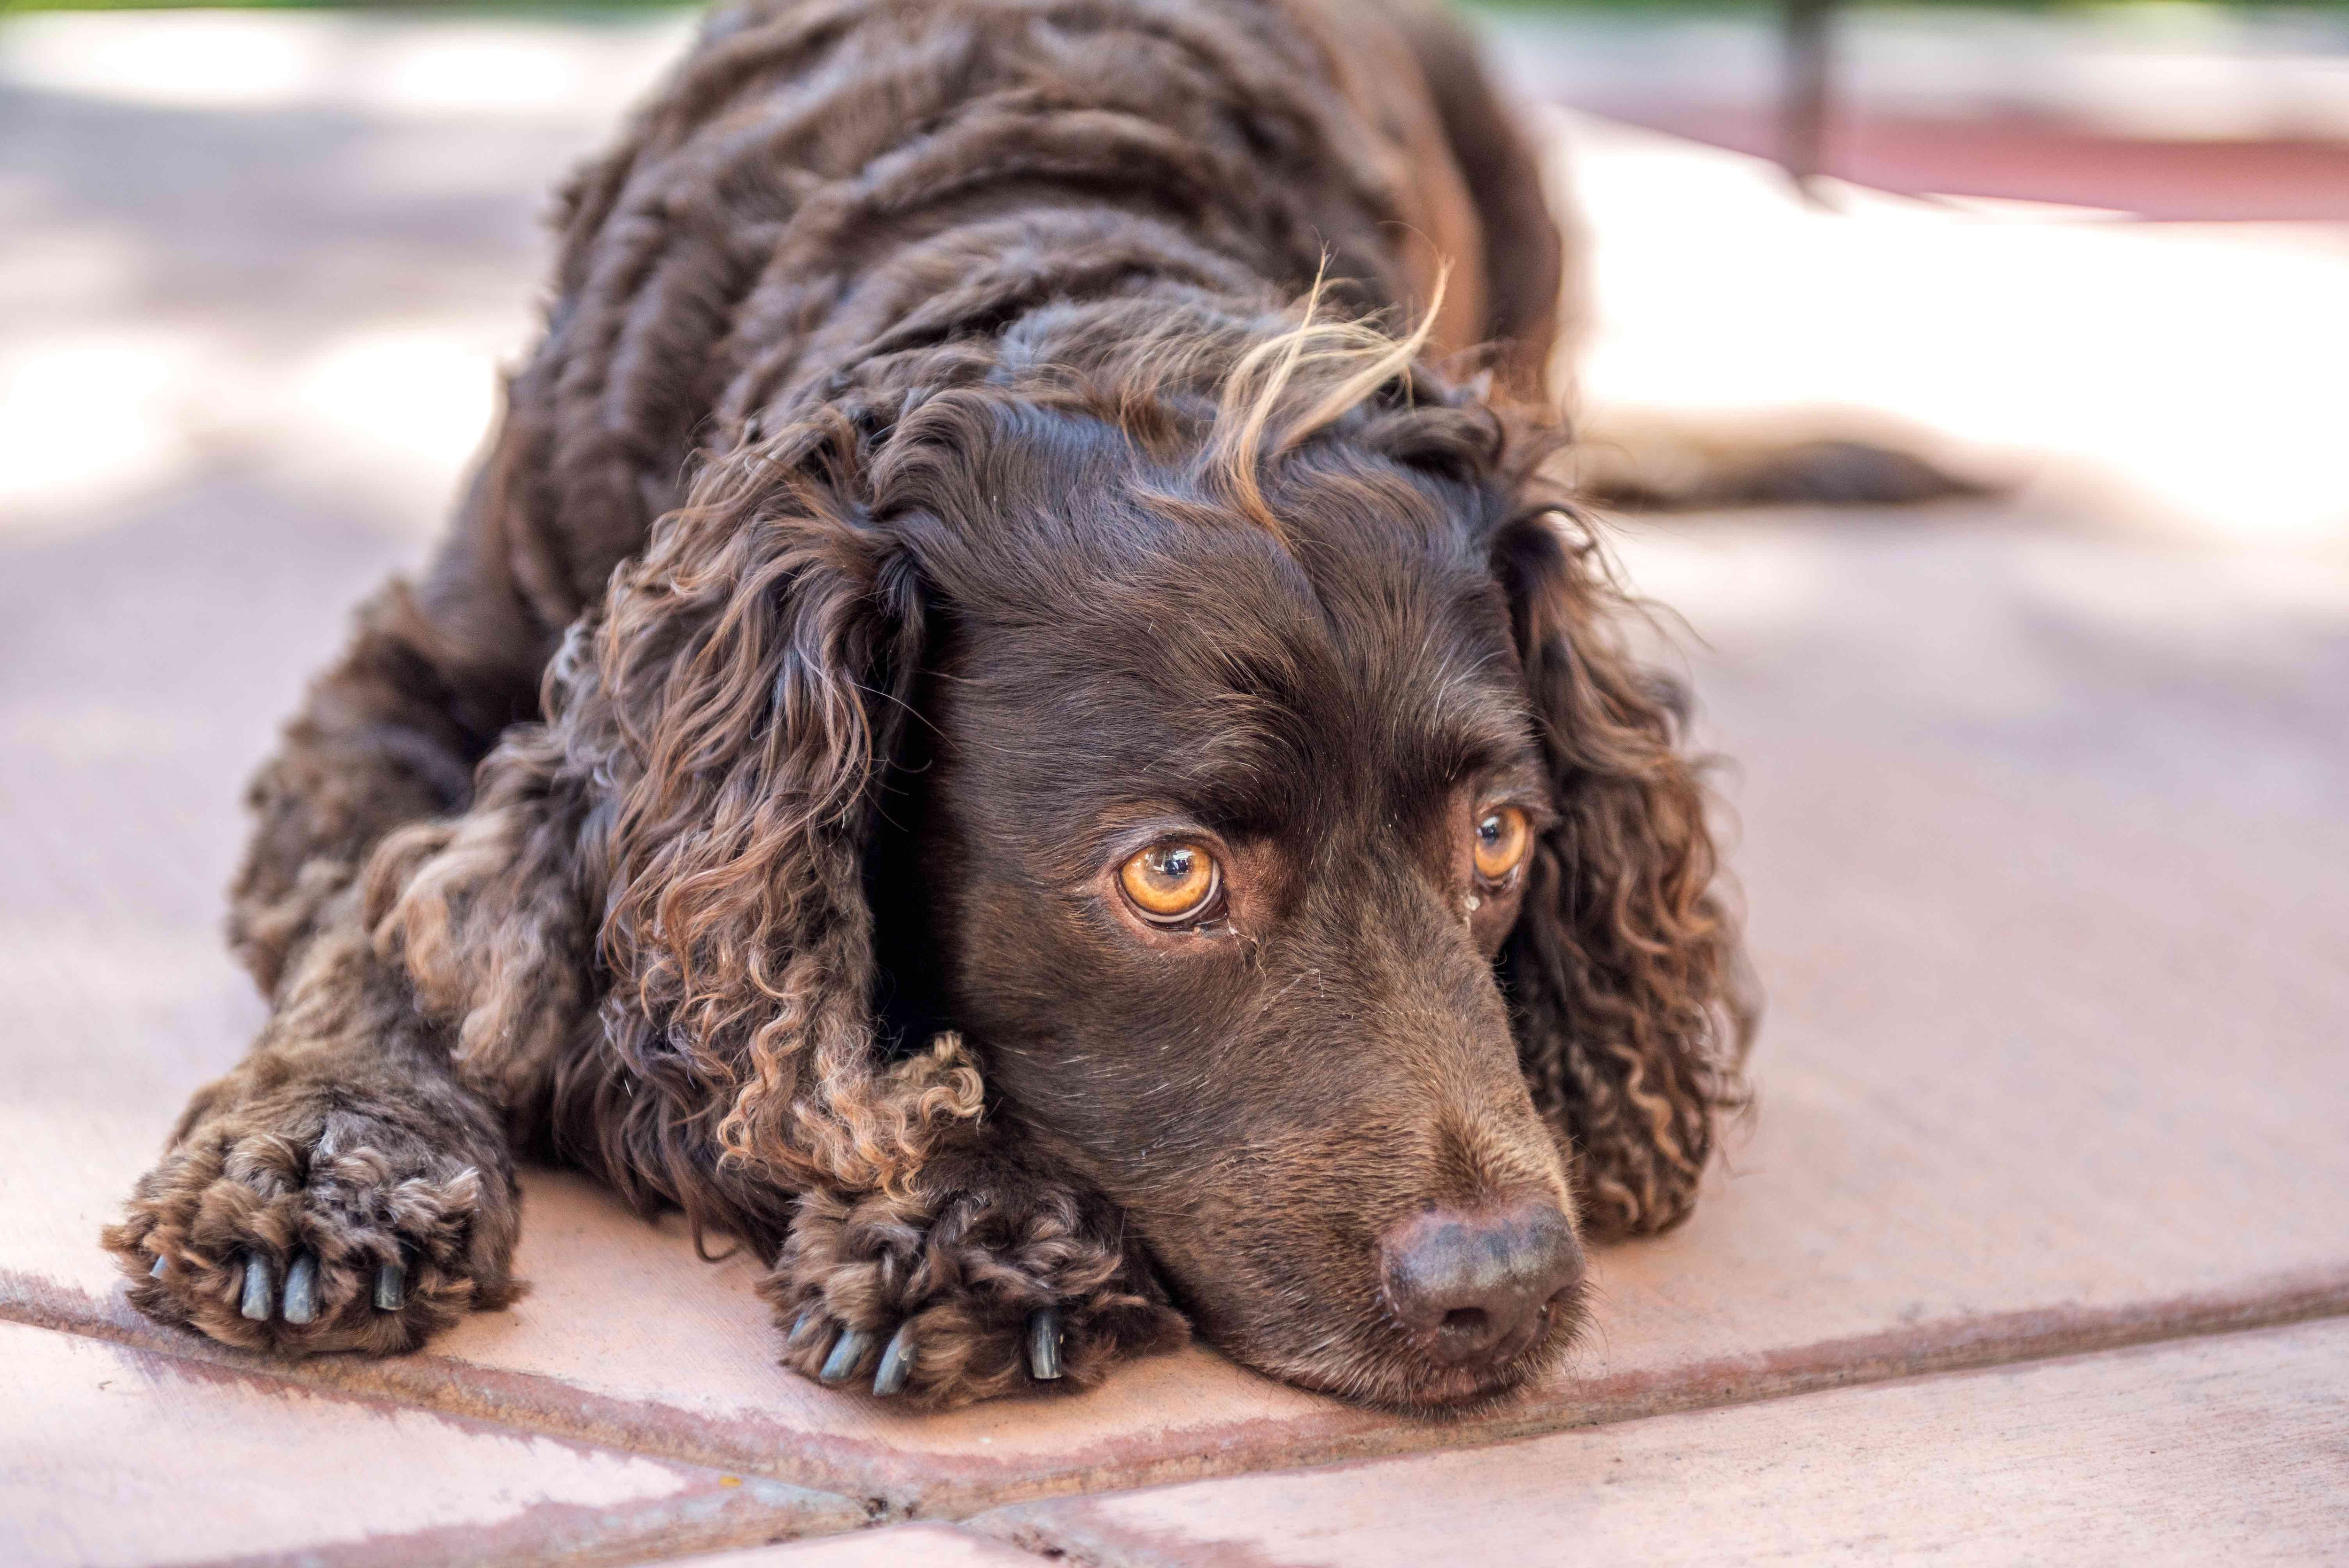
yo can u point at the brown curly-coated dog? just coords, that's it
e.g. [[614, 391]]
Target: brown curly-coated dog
[[986, 732]]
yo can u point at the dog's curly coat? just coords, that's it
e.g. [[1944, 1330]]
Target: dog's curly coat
[[692, 835]]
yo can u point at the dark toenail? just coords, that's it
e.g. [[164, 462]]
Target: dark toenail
[[841, 1364], [301, 1290], [802, 1327], [257, 1303], [896, 1362], [159, 1270], [390, 1287], [1044, 1343]]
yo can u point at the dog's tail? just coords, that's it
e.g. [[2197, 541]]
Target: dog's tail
[[1672, 459]]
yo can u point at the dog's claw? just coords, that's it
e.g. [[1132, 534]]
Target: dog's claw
[[390, 1287], [256, 1304], [800, 1327], [301, 1304], [159, 1270], [1044, 1343], [841, 1364], [896, 1362]]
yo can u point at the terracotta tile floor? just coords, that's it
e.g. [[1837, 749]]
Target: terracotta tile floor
[[2040, 830], [1982, 1466], [112, 1455]]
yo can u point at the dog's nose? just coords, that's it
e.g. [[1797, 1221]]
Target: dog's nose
[[1477, 1284]]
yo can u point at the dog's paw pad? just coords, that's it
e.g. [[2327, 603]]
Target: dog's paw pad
[[294, 1243], [1003, 1290]]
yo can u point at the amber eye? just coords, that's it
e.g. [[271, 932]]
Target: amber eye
[[1503, 836], [1171, 883]]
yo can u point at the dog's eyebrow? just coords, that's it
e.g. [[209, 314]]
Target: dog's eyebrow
[[1239, 754], [1472, 715], [1486, 738], [1246, 738]]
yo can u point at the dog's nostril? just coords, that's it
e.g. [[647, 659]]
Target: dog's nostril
[[1480, 1283]]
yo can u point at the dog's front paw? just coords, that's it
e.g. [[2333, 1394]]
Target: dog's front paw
[[299, 1224], [1008, 1283]]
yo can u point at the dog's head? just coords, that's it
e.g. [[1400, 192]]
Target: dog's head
[[1234, 748]]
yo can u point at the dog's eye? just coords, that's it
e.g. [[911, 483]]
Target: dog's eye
[[1502, 837], [1171, 883]]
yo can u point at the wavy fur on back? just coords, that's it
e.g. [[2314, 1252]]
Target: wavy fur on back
[[827, 184]]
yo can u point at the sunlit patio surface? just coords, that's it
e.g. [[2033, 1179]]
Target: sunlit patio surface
[[2034, 1248]]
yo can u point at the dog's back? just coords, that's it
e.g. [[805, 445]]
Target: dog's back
[[821, 182]]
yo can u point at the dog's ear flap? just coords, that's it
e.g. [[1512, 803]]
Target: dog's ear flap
[[1624, 972], [754, 663]]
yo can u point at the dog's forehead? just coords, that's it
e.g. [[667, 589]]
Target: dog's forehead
[[1198, 655]]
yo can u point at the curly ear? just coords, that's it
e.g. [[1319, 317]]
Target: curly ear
[[1624, 970], [740, 666]]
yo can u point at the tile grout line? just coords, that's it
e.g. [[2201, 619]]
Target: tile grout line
[[2297, 1299], [896, 1486], [765, 1519], [434, 1384]]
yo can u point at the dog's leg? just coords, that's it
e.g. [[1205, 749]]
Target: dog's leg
[[341, 1189], [435, 673], [993, 1277]]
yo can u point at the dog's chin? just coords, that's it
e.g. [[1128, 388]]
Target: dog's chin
[[1380, 1368]]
